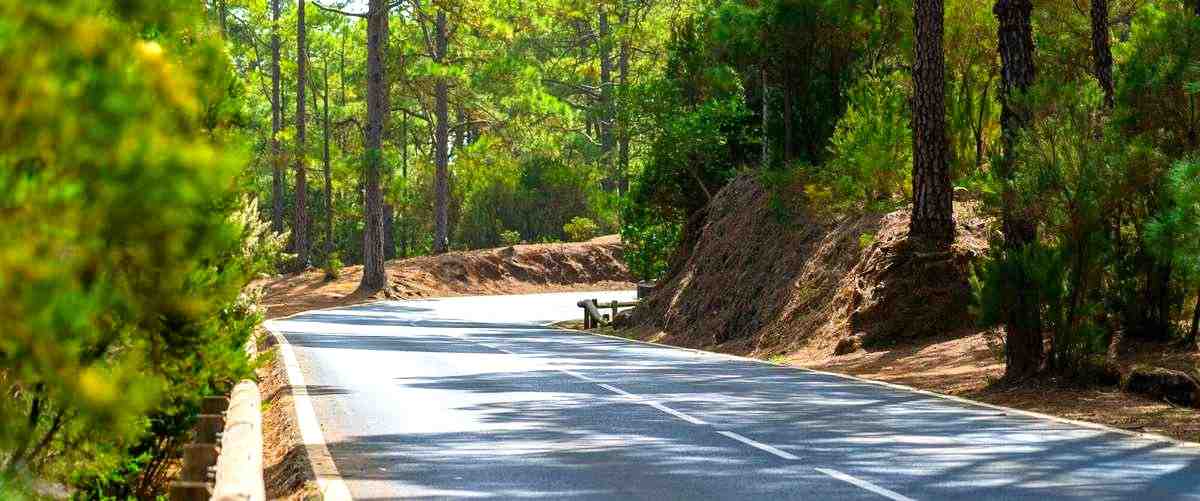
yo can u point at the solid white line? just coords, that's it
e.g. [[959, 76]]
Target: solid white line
[[652, 403], [759, 445], [863, 484], [331, 485]]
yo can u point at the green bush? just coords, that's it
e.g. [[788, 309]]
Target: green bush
[[509, 238], [872, 145], [333, 266], [125, 246], [580, 229]]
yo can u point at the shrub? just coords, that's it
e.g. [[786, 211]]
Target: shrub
[[124, 248], [333, 266], [580, 229], [509, 238]]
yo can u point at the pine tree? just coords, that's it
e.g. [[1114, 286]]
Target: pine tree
[[933, 210]]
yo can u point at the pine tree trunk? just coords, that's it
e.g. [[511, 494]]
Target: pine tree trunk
[[766, 123], [1024, 347], [441, 237], [374, 275], [389, 232], [622, 129], [1101, 52], [787, 116], [277, 181], [300, 220], [933, 211], [1191, 339], [606, 111], [325, 164]]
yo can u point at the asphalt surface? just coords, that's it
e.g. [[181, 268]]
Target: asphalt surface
[[473, 398]]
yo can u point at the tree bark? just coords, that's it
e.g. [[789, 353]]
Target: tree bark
[[606, 110], [441, 237], [1191, 339], [325, 164], [766, 133], [622, 129], [1024, 347], [1101, 51], [277, 181], [300, 219], [932, 217], [374, 275]]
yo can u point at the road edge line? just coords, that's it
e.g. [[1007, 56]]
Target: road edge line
[[1086, 424], [332, 486]]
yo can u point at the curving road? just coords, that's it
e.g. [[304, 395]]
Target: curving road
[[473, 398]]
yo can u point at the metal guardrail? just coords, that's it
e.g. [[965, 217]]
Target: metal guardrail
[[592, 317], [224, 460]]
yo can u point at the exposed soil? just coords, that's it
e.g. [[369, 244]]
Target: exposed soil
[[286, 470], [793, 287], [591, 265]]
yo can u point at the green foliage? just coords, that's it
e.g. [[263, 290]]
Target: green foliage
[[333, 266], [580, 229], [649, 242], [125, 244], [509, 238], [871, 150]]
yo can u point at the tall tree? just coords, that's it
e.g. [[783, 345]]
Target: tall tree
[[933, 211], [374, 275], [277, 180], [1101, 51], [326, 170], [606, 102], [441, 237], [300, 220], [1024, 346]]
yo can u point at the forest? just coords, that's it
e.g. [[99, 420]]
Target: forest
[[156, 156]]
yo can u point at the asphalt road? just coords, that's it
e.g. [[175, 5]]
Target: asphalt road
[[473, 398]]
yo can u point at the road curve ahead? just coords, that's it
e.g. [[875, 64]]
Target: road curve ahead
[[472, 398]]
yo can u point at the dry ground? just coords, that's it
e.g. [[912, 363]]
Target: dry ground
[[592, 265]]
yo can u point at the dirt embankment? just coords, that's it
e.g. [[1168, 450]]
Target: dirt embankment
[[761, 282], [849, 294], [592, 265]]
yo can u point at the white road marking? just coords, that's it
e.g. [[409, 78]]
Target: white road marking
[[577, 375], [330, 482], [653, 404], [759, 445], [863, 484]]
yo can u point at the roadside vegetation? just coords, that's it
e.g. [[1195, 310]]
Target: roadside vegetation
[[1025, 170]]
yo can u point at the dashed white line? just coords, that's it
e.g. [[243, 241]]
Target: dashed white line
[[759, 445], [863, 484], [653, 404], [577, 375]]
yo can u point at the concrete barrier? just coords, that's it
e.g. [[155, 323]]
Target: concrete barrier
[[239, 469]]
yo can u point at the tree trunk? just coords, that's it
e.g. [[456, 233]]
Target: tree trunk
[[1101, 52], [787, 116], [441, 237], [374, 275], [277, 181], [933, 211], [766, 133], [404, 175], [606, 111], [1191, 339], [1024, 348], [300, 220], [389, 232], [325, 164], [622, 129]]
